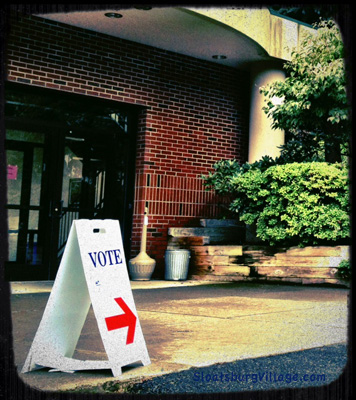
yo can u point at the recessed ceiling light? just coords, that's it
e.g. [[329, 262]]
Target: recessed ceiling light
[[113, 15], [219, 57], [145, 8]]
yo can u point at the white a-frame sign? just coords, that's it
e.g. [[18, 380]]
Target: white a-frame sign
[[92, 271]]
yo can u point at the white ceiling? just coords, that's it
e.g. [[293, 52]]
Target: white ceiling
[[169, 28]]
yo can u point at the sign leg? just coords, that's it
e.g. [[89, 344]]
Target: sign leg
[[145, 360], [116, 371]]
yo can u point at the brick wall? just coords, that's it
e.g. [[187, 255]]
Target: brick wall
[[195, 112]]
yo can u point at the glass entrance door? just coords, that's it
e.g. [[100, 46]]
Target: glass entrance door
[[25, 180], [66, 161], [93, 182]]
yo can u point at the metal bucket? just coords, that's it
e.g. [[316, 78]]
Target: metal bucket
[[176, 264]]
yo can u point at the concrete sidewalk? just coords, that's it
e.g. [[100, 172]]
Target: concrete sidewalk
[[191, 324]]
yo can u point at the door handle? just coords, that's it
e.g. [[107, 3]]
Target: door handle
[[57, 209]]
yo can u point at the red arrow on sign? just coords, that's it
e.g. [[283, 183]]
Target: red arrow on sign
[[123, 320]]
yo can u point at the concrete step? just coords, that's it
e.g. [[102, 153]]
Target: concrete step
[[217, 235]]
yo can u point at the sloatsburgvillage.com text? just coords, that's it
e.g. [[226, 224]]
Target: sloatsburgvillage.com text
[[257, 377]]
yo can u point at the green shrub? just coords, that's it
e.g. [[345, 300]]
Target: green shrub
[[291, 204], [344, 270], [295, 204], [224, 170]]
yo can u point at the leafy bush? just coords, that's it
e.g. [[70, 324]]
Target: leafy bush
[[291, 204], [344, 270], [224, 170]]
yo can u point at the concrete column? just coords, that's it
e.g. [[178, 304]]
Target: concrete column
[[263, 140]]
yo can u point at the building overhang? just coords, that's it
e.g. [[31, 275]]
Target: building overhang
[[179, 30]]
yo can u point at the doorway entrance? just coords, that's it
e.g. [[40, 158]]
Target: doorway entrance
[[69, 157]]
